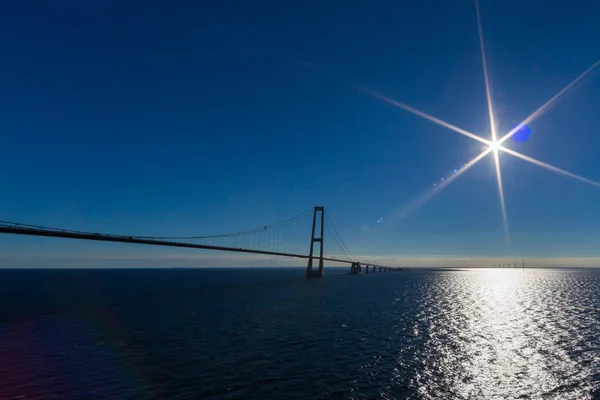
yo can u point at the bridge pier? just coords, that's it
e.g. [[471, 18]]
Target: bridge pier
[[310, 272]]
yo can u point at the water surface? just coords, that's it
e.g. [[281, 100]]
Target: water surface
[[271, 334]]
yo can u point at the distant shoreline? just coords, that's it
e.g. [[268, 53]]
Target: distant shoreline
[[441, 269]]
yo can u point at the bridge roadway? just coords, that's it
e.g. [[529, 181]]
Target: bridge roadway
[[101, 237]]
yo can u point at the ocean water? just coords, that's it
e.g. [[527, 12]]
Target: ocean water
[[271, 334]]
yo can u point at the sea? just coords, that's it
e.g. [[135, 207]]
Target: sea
[[269, 333]]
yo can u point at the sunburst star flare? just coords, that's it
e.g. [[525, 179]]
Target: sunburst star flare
[[493, 146]]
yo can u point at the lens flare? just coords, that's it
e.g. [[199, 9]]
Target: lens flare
[[437, 188], [547, 104], [502, 202], [413, 110], [395, 103], [521, 133], [550, 167], [494, 146], [488, 92]]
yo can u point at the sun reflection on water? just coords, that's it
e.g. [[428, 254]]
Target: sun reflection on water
[[507, 334]]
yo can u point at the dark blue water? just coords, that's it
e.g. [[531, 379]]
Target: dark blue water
[[271, 334]]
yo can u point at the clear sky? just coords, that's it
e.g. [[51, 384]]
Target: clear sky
[[164, 118]]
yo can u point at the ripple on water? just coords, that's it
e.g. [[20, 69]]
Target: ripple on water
[[488, 334]]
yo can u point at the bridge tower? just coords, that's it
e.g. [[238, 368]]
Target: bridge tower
[[310, 272]]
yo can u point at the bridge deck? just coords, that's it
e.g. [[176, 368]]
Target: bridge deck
[[132, 239]]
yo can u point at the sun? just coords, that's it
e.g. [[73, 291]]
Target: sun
[[493, 146]]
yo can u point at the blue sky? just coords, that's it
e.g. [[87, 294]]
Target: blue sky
[[194, 118]]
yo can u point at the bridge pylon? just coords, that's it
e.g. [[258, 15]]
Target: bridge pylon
[[310, 272]]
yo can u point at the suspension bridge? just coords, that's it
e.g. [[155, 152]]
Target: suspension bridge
[[271, 240]]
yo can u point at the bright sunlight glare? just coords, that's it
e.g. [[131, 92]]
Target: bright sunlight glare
[[547, 104], [431, 193], [493, 145]]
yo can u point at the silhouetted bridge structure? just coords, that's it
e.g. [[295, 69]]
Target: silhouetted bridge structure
[[315, 266]]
